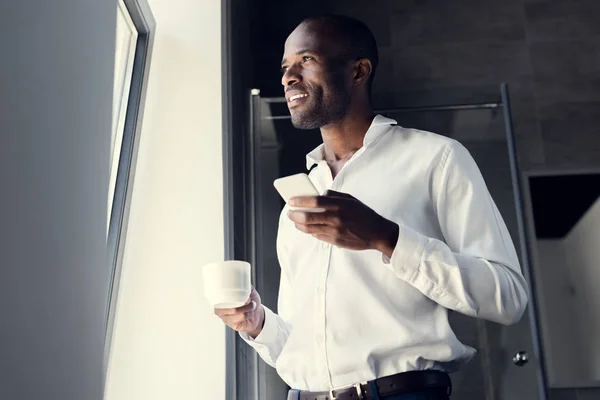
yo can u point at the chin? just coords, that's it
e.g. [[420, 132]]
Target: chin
[[305, 120], [304, 123]]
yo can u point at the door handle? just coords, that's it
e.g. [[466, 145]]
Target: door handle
[[521, 358]]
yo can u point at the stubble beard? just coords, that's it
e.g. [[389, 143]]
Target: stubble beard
[[324, 109]]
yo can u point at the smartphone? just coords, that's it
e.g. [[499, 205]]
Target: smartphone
[[295, 186]]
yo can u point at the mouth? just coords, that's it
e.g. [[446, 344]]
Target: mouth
[[296, 99]]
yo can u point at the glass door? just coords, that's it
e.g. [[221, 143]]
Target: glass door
[[508, 364]]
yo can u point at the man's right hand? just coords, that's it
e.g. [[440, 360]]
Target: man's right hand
[[248, 318]]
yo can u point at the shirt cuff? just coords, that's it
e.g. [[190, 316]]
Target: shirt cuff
[[408, 253], [268, 334]]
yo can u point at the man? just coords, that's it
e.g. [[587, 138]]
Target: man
[[410, 231]]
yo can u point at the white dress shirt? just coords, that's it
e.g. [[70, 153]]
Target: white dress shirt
[[351, 316]]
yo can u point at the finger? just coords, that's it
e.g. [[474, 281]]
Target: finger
[[309, 218], [339, 242], [249, 306], [235, 322], [303, 228], [311, 229], [318, 229], [324, 237], [333, 193], [328, 203], [240, 325], [223, 312], [246, 308], [239, 318]]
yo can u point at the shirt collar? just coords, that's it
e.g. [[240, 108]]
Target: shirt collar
[[377, 128]]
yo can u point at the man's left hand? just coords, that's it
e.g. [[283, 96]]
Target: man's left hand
[[346, 223]]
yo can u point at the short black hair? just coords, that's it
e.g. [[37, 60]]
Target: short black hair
[[357, 39]]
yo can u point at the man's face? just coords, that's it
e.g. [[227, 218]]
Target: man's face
[[315, 78]]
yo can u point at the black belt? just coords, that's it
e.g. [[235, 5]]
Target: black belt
[[402, 383]]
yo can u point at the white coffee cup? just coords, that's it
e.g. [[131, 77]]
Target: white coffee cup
[[227, 283]]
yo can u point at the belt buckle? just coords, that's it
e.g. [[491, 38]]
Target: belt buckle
[[356, 386]]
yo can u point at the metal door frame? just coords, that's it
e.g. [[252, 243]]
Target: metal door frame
[[524, 241], [237, 357]]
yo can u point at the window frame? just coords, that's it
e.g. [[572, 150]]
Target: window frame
[[120, 113], [144, 22]]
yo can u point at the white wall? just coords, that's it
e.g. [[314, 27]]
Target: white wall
[[568, 274], [56, 66], [582, 252], [560, 324], [167, 343]]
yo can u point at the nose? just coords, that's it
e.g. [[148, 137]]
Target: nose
[[291, 76]]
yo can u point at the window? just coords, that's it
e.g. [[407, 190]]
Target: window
[[126, 40], [134, 37]]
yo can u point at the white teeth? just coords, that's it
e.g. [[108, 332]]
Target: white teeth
[[298, 96]]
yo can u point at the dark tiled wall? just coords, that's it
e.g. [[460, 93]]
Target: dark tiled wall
[[548, 51]]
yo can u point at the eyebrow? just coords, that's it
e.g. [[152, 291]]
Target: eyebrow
[[304, 51]]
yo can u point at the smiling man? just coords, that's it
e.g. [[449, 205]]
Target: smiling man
[[409, 232]]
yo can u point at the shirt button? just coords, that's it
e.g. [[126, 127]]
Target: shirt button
[[326, 384], [320, 289], [319, 338], [326, 245]]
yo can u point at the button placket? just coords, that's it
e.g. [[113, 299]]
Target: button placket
[[321, 290]]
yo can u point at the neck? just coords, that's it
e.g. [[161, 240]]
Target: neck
[[343, 138]]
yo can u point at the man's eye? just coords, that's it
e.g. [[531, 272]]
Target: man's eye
[[283, 69], [307, 58]]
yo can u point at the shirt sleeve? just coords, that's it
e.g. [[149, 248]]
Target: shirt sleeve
[[271, 340], [475, 270]]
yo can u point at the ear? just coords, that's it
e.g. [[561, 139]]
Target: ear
[[362, 71]]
